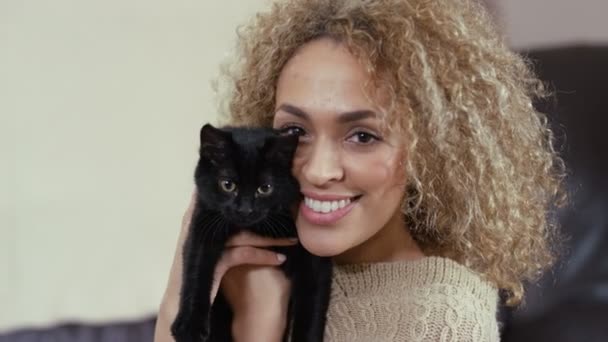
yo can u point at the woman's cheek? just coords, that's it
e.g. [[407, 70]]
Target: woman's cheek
[[371, 170], [299, 160]]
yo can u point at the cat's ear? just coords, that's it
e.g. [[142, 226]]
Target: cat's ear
[[281, 148], [214, 143]]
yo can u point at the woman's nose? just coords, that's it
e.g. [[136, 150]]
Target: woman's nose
[[322, 165]]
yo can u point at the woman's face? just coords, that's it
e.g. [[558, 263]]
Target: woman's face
[[348, 168]]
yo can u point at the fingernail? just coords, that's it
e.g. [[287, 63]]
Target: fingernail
[[281, 257], [293, 239]]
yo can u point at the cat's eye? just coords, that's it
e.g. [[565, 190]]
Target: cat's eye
[[227, 186], [265, 190]]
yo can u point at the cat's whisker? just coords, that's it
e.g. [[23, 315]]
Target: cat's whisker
[[280, 219], [204, 220], [273, 229], [267, 228], [206, 232], [269, 224], [279, 226], [284, 215], [221, 228], [282, 226], [211, 227], [215, 226]]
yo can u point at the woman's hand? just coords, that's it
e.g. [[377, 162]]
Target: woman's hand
[[256, 290], [254, 287]]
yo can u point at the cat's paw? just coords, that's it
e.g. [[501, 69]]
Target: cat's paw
[[183, 330], [188, 336]]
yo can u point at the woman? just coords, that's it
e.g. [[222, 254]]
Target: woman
[[427, 174]]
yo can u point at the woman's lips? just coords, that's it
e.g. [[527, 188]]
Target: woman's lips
[[325, 219]]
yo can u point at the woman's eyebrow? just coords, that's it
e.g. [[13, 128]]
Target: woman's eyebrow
[[294, 111], [356, 115], [345, 117]]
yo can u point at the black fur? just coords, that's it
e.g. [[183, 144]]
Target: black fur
[[248, 158]]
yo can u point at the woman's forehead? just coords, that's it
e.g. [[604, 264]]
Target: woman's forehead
[[324, 75]]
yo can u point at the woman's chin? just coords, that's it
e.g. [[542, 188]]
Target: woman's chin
[[319, 249], [324, 245]]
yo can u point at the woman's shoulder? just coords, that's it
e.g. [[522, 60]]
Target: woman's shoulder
[[430, 298], [427, 276], [445, 276]]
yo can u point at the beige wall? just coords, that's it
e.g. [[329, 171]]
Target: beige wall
[[545, 23], [100, 106]]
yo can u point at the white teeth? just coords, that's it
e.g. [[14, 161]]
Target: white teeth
[[325, 206], [334, 205], [316, 205]]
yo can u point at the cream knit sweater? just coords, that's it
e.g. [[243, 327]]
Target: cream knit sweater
[[430, 299]]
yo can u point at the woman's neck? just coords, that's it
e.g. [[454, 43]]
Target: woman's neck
[[392, 243]]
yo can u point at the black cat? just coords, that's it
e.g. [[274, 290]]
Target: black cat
[[244, 182]]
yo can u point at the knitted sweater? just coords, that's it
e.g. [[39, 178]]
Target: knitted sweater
[[430, 299]]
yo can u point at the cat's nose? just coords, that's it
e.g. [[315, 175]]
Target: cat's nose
[[245, 210]]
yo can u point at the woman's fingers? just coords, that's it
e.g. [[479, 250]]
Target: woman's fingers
[[246, 238], [250, 256], [242, 255], [243, 249]]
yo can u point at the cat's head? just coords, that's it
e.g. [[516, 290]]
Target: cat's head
[[245, 173]]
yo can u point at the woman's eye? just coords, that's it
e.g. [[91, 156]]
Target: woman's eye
[[293, 130], [363, 138], [265, 190], [227, 186]]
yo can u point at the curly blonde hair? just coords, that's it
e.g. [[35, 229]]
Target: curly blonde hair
[[481, 168]]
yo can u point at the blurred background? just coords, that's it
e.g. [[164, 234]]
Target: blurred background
[[100, 107]]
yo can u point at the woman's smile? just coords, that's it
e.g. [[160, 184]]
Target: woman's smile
[[326, 209]]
